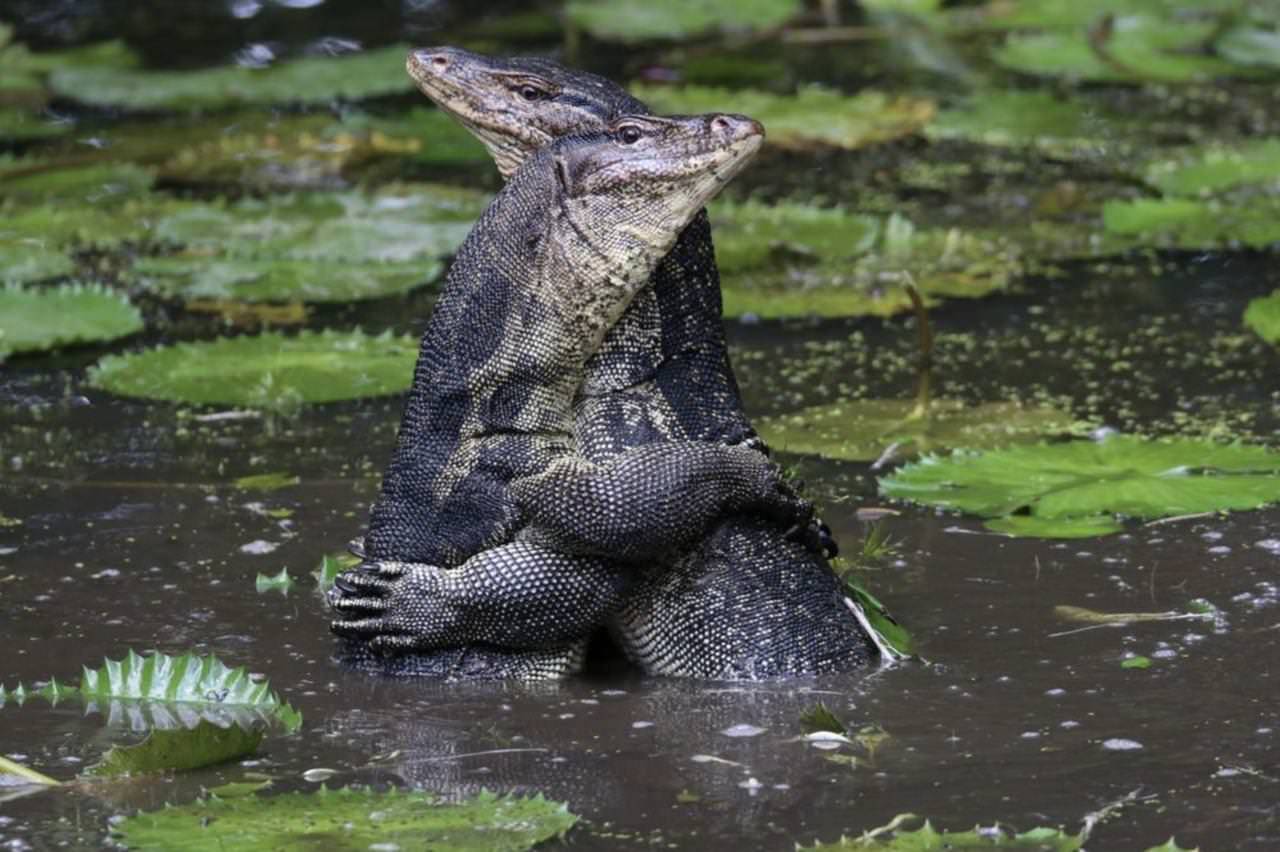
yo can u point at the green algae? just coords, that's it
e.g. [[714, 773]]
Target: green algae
[[813, 116]]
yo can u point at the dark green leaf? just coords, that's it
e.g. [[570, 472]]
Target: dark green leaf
[[179, 749]]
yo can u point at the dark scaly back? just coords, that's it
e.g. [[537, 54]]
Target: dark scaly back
[[673, 335]]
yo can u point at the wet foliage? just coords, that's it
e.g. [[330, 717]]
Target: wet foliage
[[32, 319], [350, 819]]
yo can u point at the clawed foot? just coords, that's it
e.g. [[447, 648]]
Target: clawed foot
[[786, 507], [393, 607]]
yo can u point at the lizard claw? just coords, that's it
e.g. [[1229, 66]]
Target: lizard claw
[[830, 547]]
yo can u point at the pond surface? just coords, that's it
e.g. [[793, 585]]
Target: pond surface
[[131, 536]]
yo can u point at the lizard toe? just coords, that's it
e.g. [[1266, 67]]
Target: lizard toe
[[359, 628]]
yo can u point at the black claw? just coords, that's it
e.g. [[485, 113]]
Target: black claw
[[345, 584]]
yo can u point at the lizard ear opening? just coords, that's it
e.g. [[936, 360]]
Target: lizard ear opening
[[562, 175]]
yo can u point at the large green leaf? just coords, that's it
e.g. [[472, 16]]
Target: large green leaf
[[1263, 316], [861, 430], [796, 260], [264, 371], [31, 260], [1140, 46], [170, 692], [1085, 481], [1187, 223], [271, 279], [179, 749], [23, 125], [1217, 167], [894, 838], [1058, 124], [812, 117], [349, 819], [105, 184], [33, 319], [312, 80], [646, 20]]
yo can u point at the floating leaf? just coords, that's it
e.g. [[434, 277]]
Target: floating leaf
[[21, 125], [32, 260], [1190, 224], [349, 819], [34, 319], [1138, 662], [813, 116], [273, 481], [894, 838], [1136, 47], [106, 184], [1171, 845], [434, 138], [820, 718], [173, 692], [264, 371], [861, 430], [647, 20], [1089, 616], [795, 260], [281, 582], [1263, 316], [1084, 479], [313, 80], [1089, 526], [1217, 167], [281, 279], [331, 566], [894, 640], [177, 750], [1058, 124]]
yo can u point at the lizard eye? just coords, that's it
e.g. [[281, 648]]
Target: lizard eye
[[629, 134], [531, 93]]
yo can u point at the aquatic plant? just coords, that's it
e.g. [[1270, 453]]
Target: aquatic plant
[[893, 837], [1263, 316], [648, 20], [176, 750], [268, 371], [38, 318], [1083, 488], [813, 116], [169, 692], [310, 80], [350, 818]]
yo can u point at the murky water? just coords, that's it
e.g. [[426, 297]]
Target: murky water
[[132, 537]]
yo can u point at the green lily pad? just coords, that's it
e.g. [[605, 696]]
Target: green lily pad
[[320, 247], [1247, 45], [649, 20], [172, 692], [1187, 223], [1218, 167], [264, 371], [792, 260], [282, 280], [331, 566], [1263, 316], [103, 185], [23, 125], [861, 430], [1060, 125], [312, 80], [1171, 845], [1138, 662], [1079, 481], [812, 117], [428, 136], [1030, 526], [1142, 46], [349, 819], [34, 319], [66, 225], [894, 838], [267, 481], [32, 260], [180, 749]]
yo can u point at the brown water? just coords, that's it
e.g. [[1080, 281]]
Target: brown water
[[133, 538]]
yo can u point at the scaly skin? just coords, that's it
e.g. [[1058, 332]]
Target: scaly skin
[[748, 603], [520, 542]]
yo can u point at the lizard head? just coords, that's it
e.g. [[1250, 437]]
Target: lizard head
[[517, 105], [623, 195]]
